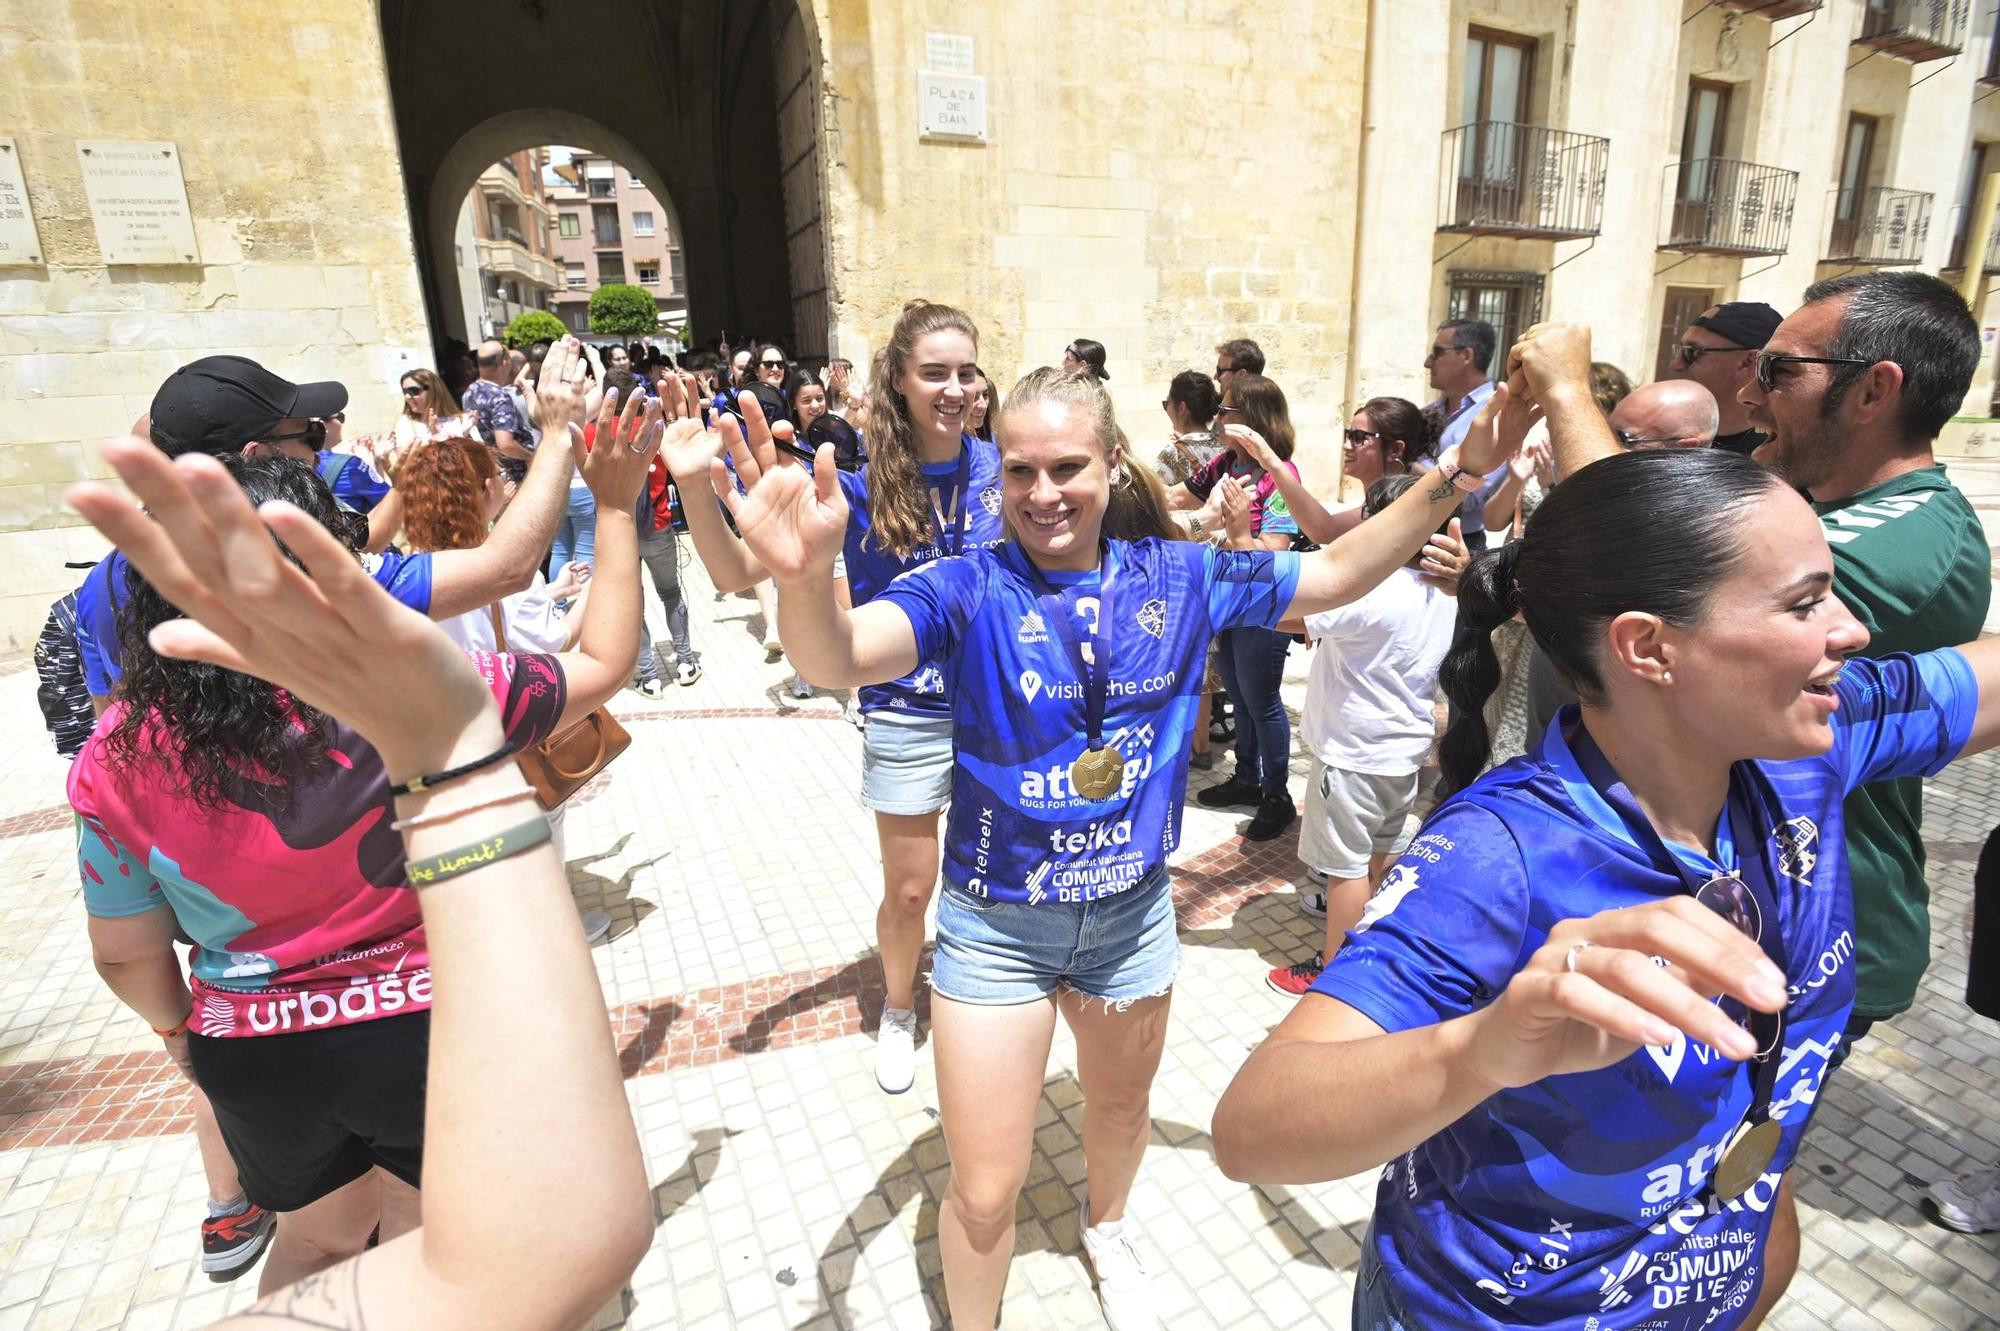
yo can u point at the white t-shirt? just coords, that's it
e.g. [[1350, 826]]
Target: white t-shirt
[[1374, 675], [531, 618]]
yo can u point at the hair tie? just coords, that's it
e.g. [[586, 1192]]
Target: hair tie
[[1507, 580]]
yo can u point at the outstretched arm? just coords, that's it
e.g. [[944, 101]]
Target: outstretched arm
[[794, 524], [1320, 524], [689, 449], [1984, 658], [506, 563], [1360, 560], [525, 1101]]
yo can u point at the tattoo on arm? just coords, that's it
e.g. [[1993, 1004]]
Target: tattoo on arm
[[1442, 490], [327, 1300]]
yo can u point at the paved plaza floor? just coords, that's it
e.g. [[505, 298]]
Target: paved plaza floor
[[742, 879]]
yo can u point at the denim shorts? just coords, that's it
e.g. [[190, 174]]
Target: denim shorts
[[906, 762], [1375, 1306], [997, 953]]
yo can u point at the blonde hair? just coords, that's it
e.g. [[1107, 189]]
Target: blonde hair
[[1137, 508], [900, 513]]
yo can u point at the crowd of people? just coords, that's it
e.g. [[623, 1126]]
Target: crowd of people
[[1747, 601]]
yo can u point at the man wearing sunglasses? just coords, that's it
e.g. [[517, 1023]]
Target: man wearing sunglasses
[[1461, 354], [1719, 352]]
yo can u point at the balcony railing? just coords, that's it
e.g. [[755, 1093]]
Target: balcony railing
[[507, 259], [1769, 9], [1959, 220], [1723, 206], [1915, 30], [1878, 225], [1505, 179]]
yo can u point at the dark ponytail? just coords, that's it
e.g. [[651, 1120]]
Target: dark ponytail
[[1654, 531]]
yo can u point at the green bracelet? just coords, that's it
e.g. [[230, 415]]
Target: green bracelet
[[479, 854]]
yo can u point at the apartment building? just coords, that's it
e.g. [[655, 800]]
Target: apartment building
[[605, 225], [510, 235], [1627, 164]]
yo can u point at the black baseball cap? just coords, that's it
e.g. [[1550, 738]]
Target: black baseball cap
[[220, 403], [1747, 323]]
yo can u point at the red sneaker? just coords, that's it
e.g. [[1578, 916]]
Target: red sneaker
[[1295, 980], [231, 1244]]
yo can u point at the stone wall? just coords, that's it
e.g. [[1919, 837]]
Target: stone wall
[[293, 182], [1158, 176]]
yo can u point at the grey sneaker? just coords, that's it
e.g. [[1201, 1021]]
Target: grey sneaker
[[1969, 1203], [1124, 1287]]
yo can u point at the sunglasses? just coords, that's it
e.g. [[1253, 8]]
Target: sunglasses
[[1360, 436], [340, 416], [1224, 411], [1767, 361], [1687, 353], [771, 364], [1437, 351], [411, 390], [1629, 440], [1222, 370], [314, 435]]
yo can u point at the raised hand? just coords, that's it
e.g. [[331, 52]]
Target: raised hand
[[1252, 446], [688, 446], [622, 450], [562, 395], [1550, 357], [1233, 502], [1444, 558], [793, 523], [1593, 993], [1485, 446], [334, 639]]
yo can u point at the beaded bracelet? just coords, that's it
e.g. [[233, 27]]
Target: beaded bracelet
[[480, 854]]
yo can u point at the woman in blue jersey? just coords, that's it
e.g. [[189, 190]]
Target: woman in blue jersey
[[929, 490], [1587, 1016], [1073, 658]]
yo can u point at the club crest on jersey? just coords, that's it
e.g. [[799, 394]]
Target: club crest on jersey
[[1798, 839], [1033, 628], [989, 499], [1398, 883], [1152, 616]]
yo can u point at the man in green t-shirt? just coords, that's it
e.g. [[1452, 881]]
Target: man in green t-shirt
[[1854, 388]]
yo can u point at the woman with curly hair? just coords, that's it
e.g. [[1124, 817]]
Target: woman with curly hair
[[219, 808]]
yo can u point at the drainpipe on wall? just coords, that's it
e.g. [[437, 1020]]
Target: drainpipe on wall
[[1972, 286], [1351, 387]]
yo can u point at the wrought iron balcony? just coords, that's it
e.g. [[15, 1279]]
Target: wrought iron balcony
[[1769, 9], [1960, 222], [1504, 179], [1915, 30], [1878, 225], [1737, 209]]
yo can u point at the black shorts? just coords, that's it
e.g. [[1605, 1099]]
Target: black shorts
[[308, 1113], [1982, 968]]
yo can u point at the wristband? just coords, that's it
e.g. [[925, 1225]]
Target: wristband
[[433, 819], [181, 1029], [416, 785], [467, 859], [1465, 482]]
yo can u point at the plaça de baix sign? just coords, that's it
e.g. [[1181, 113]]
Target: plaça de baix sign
[[952, 106], [138, 201]]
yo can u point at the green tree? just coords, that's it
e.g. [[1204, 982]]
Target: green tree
[[623, 309], [530, 326]]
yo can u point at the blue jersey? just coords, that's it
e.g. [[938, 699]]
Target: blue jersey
[[1018, 830], [405, 577], [1584, 1200], [871, 568], [353, 486]]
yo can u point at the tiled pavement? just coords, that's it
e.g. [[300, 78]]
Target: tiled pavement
[[741, 878]]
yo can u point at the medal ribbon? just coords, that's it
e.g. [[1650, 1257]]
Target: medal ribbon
[[1093, 667], [960, 483], [1756, 878]]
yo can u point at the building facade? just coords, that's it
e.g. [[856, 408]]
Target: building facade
[[511, 235], [1330, 177], [605, 225]]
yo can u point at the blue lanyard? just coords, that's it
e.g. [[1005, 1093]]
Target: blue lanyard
[[1092, 667], [960, 483]]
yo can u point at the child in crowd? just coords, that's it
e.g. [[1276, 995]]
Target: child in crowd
[[1368, 725]]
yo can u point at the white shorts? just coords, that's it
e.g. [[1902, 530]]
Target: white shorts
[[1350, 816]]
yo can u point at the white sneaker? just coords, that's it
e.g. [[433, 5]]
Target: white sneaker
[[852, 711], [801, 689], [1313, 904], [1969, 1204], [896, 1050], [687, 672], [1124, 1289], [1316, 875]]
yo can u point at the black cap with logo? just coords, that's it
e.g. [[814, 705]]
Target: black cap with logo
[[1747, 323], [220, 403]]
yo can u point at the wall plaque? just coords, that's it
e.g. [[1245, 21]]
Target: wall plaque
[[138, 201], [19, 243]]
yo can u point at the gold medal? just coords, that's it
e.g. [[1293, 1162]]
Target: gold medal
[[1746, 1159], [1098, 773]]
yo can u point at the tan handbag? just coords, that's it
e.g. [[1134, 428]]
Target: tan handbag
[[563, 764]]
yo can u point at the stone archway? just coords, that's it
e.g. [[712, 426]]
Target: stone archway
[[688, 93], [485, 144]]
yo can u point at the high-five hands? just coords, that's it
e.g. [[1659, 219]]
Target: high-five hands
[[791, 521]]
